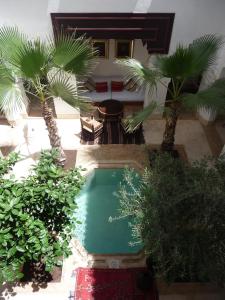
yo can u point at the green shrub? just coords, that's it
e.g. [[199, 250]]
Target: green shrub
[[36, 215], [179, 214], [7, 163]]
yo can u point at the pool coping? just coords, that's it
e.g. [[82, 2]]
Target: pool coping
[[112, 164]]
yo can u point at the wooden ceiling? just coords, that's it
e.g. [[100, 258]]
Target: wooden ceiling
[[154, 29]]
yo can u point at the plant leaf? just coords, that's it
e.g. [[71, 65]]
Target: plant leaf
[[132, 122], [190, 61], [12, 97], [10, 41], [62, 86], [141, 75], [205, 50], [32, 59], [179, 65], [73, 54], [212, 98]]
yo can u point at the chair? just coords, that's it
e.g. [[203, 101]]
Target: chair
[[92, 113], [91, 127]]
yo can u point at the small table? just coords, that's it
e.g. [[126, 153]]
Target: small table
[[110, 109]]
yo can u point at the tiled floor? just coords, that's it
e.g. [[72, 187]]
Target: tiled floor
[[189, 133]]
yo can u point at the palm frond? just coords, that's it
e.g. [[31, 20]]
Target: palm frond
[[212, 98], [205, 50], [11, 39], [32, 59], [72, 54], [132, 122], [12, 96], [5, 72], [61, 86], [190, 61], [141, 75], [179, 65]]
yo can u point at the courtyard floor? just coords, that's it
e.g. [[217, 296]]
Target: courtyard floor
[[30, 136]]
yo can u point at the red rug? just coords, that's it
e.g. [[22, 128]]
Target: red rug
[[110, 284]]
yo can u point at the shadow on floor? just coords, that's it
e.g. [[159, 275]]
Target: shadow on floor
[[71, 157], [7, 290]]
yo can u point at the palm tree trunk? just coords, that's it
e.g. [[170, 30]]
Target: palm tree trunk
[[169, 132], [53, 133]]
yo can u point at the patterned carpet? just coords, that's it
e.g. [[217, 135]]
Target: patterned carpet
[[113, 133], [112, 284]]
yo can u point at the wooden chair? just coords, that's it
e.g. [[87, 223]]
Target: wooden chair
[[91, 127]]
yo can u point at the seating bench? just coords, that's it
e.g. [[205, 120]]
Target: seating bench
[[124, 95]]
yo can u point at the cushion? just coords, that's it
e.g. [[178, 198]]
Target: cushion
[[101, 87], [117, 86], [89, 85], [131, 85]]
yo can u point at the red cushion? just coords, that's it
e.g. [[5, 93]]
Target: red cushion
[[101, 87], [117, 86]]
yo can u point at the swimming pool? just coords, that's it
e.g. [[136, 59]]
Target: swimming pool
[[96, 203]]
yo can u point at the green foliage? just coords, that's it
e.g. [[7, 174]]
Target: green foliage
[[205, 50], [179, 216], [6, 164], [192, 60], [11, 98], [11, 39], [140, 74], [178, 65], [55, 190], [36, 215], [186, 63], [62, 87], [71, 54], [33, 61], [210, 98], [132, 122]]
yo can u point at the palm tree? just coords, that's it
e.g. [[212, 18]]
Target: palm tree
[[46, 67], [186, 63]]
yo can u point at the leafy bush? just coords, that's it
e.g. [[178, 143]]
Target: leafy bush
[[179, 214], [36, 215], [7, 163]]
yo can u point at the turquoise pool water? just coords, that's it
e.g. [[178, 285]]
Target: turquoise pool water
[[96, 203]]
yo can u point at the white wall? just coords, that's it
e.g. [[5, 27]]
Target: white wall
[[97, 5], [29, 15], [193, 17]]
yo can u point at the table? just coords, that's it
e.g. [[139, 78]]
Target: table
[[110, 109]]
